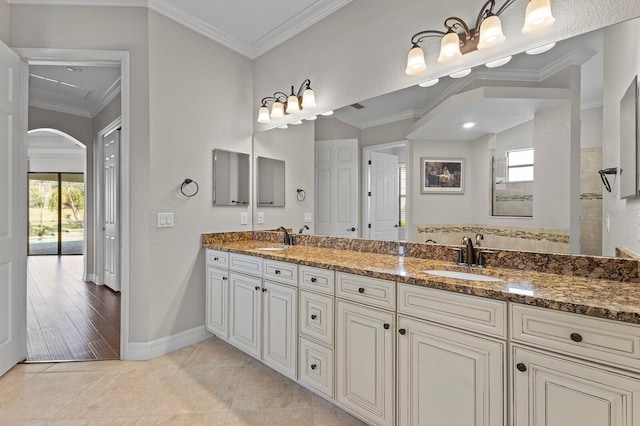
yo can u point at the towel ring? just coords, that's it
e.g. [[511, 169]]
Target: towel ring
[[188, 182]]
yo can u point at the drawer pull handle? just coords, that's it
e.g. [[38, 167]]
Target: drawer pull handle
[[386, 326], [313, 366], [277, 271], [521, 367], [361, 290], [402, 331], [257, 288], [576, 337], [313, 279], [314, 316]]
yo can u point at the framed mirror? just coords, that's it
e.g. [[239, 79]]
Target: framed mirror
[[230, 178], [629, 187], [270, 182]]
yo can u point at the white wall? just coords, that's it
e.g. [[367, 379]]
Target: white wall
[[5, 12], [295, 146], [621, 64]]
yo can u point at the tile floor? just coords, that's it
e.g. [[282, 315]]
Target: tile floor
[[208, 383]]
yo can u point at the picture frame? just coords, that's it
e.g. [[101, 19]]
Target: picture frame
[[441, 175]]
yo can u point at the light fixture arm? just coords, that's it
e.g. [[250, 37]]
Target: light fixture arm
[[418, 37], [304, 86], [458, 23]]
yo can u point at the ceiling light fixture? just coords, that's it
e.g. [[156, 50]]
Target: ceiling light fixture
[[468, 124], [498, 62], [541, 49], [287, 104], [461, 74], [429, 83], [458, 38]]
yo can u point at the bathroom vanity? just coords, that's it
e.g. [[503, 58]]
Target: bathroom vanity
[[372, 332]]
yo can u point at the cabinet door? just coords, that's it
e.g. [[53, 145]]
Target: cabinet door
[[365, 361], [447, 377], [245, 313], [557, 391], [279, 328], [217, 295]]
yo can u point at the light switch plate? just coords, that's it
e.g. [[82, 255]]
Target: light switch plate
[[244, 218], [165, 220], [308, 217], [260, 218]]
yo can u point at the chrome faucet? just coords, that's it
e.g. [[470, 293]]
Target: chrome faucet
[[470, 255], [479, 237], [302, 228], [286, 238]]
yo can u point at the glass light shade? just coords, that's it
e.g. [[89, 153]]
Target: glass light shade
[[490, 33], [415, 61], [263, 115], [293, 104], [538, 16], [498, 62], [429, 83], [308, 99], [449, 48], [277, 110]]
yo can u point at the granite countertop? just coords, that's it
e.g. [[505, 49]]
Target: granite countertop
[[601, 298]]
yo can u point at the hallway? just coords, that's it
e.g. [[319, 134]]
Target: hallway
[[68, 319]]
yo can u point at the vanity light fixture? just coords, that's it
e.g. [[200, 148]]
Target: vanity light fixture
[[461, 74], [458, 39], [541, 49], [429, 83], [498, 62], [287, 104]]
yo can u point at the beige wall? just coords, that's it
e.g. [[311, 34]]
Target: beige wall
[[4, 21]]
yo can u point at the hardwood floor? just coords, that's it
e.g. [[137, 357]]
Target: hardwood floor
[[67, 318]]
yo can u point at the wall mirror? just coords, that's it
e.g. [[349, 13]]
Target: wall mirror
[[550, 102], [230, 178], [629, 142], [270, 182]]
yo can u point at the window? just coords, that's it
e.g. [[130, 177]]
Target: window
[[520, 165], [402, 191]]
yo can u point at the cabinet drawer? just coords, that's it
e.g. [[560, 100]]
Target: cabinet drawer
[[316, 279], [218, 258], [282, 272], [316, 316], [316, 366], [459, 310], [599, 339], [246, 264], [372, 291]]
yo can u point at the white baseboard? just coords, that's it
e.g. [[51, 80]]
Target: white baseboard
[[93, 278], [164, 345]]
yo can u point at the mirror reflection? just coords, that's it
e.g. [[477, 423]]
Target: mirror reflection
[[270, 183], [531, 136], [230, 178]]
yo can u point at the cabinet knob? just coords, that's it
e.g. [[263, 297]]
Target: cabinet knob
[[386, 326], [257, 288], [264, 290], [313, 279], [361, 290], [576, 337], [224, 278], [277, 271], [215, 259], [402, 331], [521, 367], [313, 366], [314, 316]]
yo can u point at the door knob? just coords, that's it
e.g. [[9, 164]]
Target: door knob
[[352, 229]]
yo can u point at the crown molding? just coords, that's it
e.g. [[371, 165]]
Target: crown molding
[[112, 3], [106, 97], [59, 108]]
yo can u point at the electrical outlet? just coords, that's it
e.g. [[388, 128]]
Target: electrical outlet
[[165, 220], [244, 218], [260, 218], [308, 217]]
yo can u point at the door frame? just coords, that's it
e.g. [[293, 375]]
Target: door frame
[[81, 57], [366, 183]]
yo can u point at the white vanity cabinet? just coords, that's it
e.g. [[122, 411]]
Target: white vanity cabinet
[[217, 293], [245, 313], [365, 347], [448, 376], [577, 370], [279, 344]]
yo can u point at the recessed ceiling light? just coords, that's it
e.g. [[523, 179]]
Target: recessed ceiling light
[[461, 74], [498, 62], [284, 126], [327, 114], [541, 49], [468, 124], [429, 83], [313, 117]]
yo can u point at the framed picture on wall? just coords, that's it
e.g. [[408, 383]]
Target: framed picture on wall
[[442, 175]]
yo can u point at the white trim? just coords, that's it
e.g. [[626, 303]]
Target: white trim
[[106, 97], [118, 3], [164, 345], [35, 56], [59, 108], [90, 278]]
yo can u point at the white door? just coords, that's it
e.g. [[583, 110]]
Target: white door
[[111, 152], [13, 231], [217, 295], [383, 199], [279, 331], [555, 391], [245, 312], [446, 377], [364, 361], [337, 188]]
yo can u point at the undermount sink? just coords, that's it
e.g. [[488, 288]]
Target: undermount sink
[[462, 275], [271, 248]]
